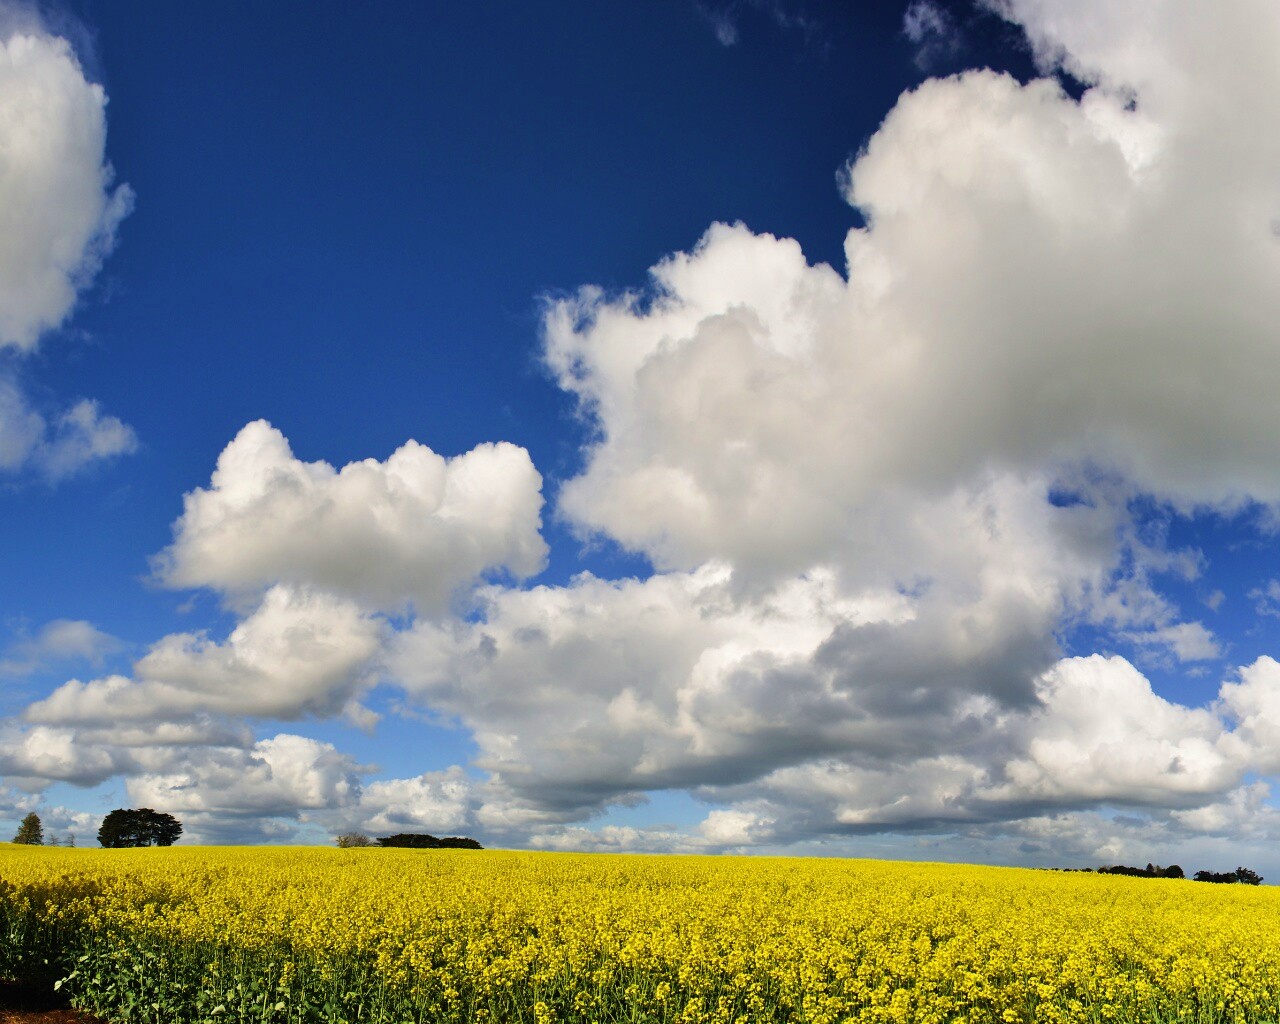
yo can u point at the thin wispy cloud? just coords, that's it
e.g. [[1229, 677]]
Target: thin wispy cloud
[[61, 642], [933, 33]]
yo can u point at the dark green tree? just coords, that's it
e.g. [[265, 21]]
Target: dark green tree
[[30, 832], [139, 826], [424, 841]]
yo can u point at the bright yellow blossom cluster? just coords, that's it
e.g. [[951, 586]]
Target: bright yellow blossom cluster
[[291, 934]]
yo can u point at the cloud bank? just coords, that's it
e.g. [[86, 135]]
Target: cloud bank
[[876, 500]]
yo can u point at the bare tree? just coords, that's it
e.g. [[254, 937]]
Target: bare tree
[[352, 840]]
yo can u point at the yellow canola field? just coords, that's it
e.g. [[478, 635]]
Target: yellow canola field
[[402, 935]]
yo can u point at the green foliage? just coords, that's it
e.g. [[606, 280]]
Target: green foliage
[[424, 841], [1244, 876], [158, 983], [30, 832], [1150, 871], [138, 827]]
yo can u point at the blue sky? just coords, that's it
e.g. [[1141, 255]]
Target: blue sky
[[805, 439]]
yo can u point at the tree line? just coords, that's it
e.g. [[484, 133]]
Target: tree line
[[1241, 876], [142, 826], [122, 828], [408, 841]]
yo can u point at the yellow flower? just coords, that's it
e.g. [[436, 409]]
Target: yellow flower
[[460, 936]]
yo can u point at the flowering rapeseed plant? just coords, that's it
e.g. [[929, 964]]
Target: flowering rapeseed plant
[[291, 934]]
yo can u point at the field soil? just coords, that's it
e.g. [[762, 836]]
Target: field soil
[[36, 1004]]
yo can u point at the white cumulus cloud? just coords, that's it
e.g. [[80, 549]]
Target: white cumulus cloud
[[412, 529], [300, 653], [440, 803], [1043, 282], [277, 776], [58, 207]]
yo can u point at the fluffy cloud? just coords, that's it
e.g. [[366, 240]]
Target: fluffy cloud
[[618, 839], [1102, 735], [581, 695], [811, 713], [37, 756], [58, 210], [259, 793], [1042, 282], [14, 804], [276, 777], [300, 653], [584, 695], [441, 803], [1056, 305], [1254, 702], [411, 529], [1099, 737], [288, 786]]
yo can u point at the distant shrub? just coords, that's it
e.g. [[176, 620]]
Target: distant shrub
[[1242, 876], [1150, 871], [423, 841]]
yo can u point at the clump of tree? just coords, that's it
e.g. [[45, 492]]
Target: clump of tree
[[138, 826], [30, 831], [1150, 871], [1243, 876], [353, 840], [423, 841]]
